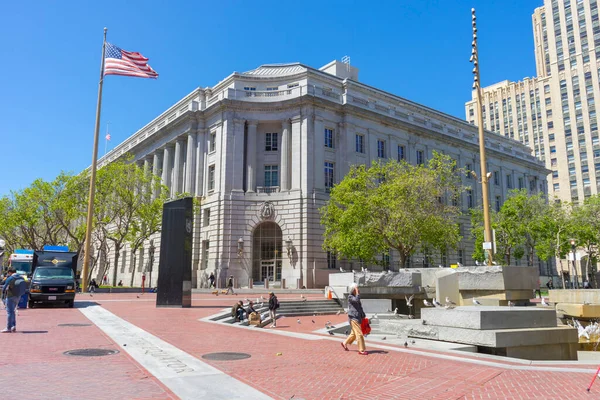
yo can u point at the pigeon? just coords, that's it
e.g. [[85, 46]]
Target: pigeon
[[328, 323], [137, 297], [424, 322], [303, 300], [437, 303], [476, 302], [383, 338], [313, 321], [409, 300], [302, 296], [586, 303], [298, 320], [510, 303], [440, 266], [405, 344], [459, 265], [331, 333], [375, 316], [396, 310], [339, 312], [410, 316], [427, 304], [448, 301], [342, 269], [544, 302]]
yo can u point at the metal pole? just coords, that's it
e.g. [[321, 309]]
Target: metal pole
[[575, 278], [484, 176], [90, 211]]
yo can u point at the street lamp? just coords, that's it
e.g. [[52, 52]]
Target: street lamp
[[575, 279], [240, 247], [487, 239]]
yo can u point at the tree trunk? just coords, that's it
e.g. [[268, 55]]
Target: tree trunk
[[133, 269], [116, 263]]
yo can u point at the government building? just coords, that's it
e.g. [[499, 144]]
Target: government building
[[262, 149]]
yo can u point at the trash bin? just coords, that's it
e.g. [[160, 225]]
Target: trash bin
[[23, 301]]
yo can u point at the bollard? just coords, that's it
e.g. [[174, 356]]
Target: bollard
[[266, 283], [250, 283], [298, 286], [283, 283]]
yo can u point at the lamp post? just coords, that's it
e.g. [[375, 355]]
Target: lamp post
[[575, 279], [487, 239]]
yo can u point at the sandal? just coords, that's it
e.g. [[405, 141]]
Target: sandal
[[344, 346], [363, 353]]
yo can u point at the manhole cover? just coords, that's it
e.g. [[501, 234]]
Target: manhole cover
[[90, 352], [74, 324], [225, 356]]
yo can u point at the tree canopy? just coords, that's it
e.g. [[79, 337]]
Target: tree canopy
[[394, 205]]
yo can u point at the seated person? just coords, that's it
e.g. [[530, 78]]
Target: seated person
[[237, 311], [250, 309]]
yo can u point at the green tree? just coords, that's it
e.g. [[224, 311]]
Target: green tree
[[557, 226], [394, 206], [586, 228]]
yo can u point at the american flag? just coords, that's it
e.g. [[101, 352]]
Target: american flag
[[108, 136], [126, 63]]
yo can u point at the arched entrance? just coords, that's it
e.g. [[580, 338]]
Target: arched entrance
[[266, 252]]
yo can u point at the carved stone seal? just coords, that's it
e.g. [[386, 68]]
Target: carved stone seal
[[267, 210]]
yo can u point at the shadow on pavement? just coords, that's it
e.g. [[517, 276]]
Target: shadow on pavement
[[85, 304], [33, 332], [377, 351]]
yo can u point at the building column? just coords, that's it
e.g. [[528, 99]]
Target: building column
[[251, 156], [296, 152], [190, 163], [319, 151], [286, 127], [237, 179], [200, 144], [178, 166], [155, 169], [166, 170]]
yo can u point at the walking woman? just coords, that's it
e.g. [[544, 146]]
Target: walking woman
[[355, 315]]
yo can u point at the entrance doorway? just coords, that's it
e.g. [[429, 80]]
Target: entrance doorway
[[267, 245]]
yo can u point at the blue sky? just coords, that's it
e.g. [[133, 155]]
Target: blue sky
[[51, 51]]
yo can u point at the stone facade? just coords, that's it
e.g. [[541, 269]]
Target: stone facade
[[261, 150]]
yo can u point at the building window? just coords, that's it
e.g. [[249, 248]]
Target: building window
[[329, 175], [213, 142], [251, 88], [556, 187], [461, 256], [211, 178], [331, 260], [471, 112], [470, 199], [271, 142], [509, 183], [498, 203], [205, 247], [468, 170], [497, 178], [360, 144], [206, 218], [381, 148], [293, 85], [329, 138], [420, 157], [271, 175], [401, 153], [521, 183], [272, 88]]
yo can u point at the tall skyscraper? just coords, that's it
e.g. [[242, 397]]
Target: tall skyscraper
[[555, 112]]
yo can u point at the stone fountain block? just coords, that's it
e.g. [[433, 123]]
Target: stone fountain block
[[487, 318], [497, 278]]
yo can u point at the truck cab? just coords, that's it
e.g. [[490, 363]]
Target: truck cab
[[53, 279]]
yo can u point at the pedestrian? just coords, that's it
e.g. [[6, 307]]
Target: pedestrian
[[253, 315], [550, 284], [105, 280], [355, 316], [211, 278], [93, 286], [273, 306], [14, 287], [230, 285], [586, 284]]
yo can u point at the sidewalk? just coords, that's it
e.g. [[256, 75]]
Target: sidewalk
[[310, 365]]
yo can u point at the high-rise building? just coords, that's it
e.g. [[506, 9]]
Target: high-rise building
[[555, 113]]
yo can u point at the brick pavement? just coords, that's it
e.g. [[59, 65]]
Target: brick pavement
[[320, 369], [33, 366], [307, 369]]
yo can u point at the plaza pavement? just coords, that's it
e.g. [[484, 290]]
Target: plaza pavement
[[160, 357]]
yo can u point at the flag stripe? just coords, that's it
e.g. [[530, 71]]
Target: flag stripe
[[126, 63]]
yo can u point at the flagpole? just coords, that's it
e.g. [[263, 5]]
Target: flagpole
[[90, 211]]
